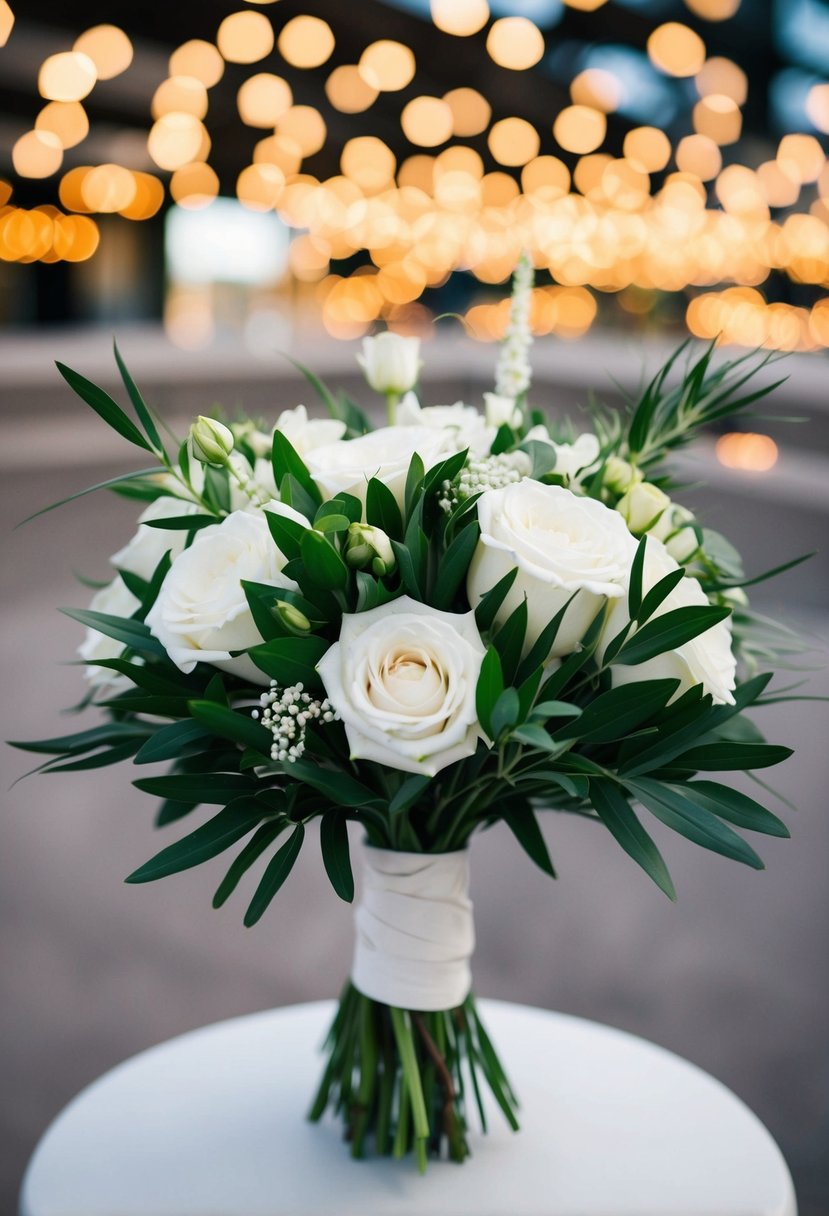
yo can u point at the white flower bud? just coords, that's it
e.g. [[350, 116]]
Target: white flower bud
[[292, 617], [391, 362], [642, 506], [367, 547], [620, 475], [501, 410], [212, 441], [674, 528]]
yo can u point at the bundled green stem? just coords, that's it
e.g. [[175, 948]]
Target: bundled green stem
[[399, 1079]]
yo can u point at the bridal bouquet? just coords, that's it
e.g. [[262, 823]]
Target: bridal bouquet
[[428, 628]]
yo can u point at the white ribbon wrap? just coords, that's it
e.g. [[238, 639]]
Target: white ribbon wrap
[[415, 933]]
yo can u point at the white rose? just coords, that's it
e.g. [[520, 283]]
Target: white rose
[[201, 613], [501, 411], [116, 600], [463, 423], [706, 659], [573, 460], [142, 554], [403, 678], [561, 543], [391, 362], [304, 433], [348, 465], [642, 506]]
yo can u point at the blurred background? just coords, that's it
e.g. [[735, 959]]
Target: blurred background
[[220, 182]]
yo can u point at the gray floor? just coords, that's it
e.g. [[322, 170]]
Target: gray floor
[[734, 977]]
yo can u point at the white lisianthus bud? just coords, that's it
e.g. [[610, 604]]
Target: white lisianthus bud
[[212, 441], [675, 529], [642, 506], [620, 475], [391, 362], [735, 597], [367, 547], [501, 411]]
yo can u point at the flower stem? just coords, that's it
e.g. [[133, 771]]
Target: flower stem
[[392, 401]]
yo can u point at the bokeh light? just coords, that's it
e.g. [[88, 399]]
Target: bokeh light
[[263, 99], [460, 17], [515, 42], [67, 76], [199, 59], [108, 47], [676, 50], [348, 91], [65, 119], [245, 37], [306, 42], [387, 66]]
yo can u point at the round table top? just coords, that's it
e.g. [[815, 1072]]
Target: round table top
[[213, 1124]]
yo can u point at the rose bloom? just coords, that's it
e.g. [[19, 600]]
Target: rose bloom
[[466, 427], [403, 678], [561, 543], [115, 599], [201, 613], [391, 362], [348, 465], [706, 659], [142, 554]]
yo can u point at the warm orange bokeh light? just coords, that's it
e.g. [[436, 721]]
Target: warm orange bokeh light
[[513, 141], [180, 94], [427, 121], [387, 66], [108, 47], [67, 76], [515, 42], [306, 42], [676, 50], [580, 129], [263, 99], [460, 17], [37, 154], [65, 119], [471, 111], [747, 450], [348, 91], [199, 59], [245, 37], [194, 186], [648, 147]]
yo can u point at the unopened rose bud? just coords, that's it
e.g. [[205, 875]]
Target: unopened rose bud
[[642, 506], [212, 441], [501, 411], [620, 475], [675, 528], [369, 548], [292, 617], [391, 362]]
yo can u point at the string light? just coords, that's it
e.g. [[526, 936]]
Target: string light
[[306, 42], [66, 120], [460, 17], [515, 42], [67, 76], [37, 154], [245, 37], [263, 99], [108, 47], [198, 59], [6, 22], [387, 66]]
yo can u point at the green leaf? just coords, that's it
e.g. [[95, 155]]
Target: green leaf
[[737, 808], [767, 574], [615, 714], [322, 562], [287, 534], [138, 403], [213, 788], [277, 871], [658, 594], [454, 566], [340, 788], [556, 709], [669, 631], [212, 838], [505, 712], [331, 523], [287, 461], [619, 818], [291, 660], [675, 807], [132, 633], [541, 647], [445, 470], [170, 742], [509, 640], [408, 571], [520, 819], [535, 736], [635, 587], [85, 740], [104, 406], [183, 523], [732, 757], [228, 724], [382, 510], [489, 688], [170, 811], [264, 835], [110, 483], [294, 494], [112, 755], [491, 600], [408, 794], [335, 855], [414, 481]]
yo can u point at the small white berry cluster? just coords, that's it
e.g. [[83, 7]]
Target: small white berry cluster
[[491, 473], [285, 713], [513, 372]]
